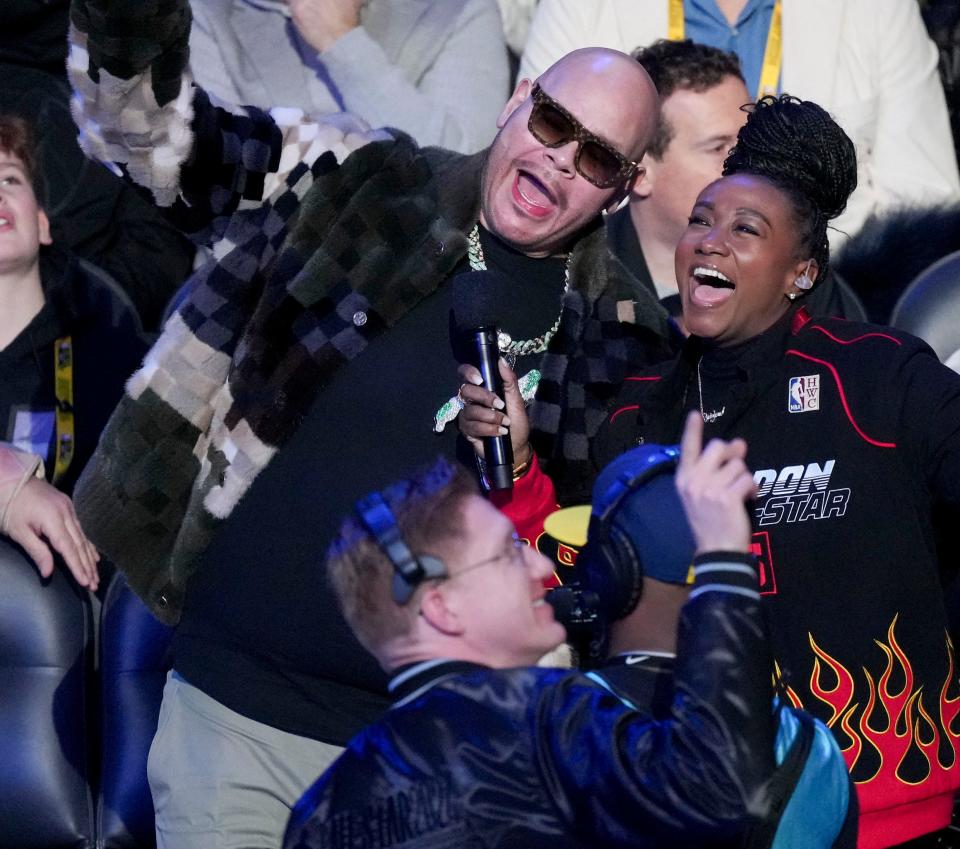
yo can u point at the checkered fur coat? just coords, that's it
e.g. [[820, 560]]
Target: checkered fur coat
[[324, 235]]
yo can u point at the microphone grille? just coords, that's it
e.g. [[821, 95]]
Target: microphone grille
[[474, 300]]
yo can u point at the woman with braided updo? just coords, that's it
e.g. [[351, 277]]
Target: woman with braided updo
[[853, 432], [794, 163]]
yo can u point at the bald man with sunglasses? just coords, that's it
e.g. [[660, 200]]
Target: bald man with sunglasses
[[307, 364]]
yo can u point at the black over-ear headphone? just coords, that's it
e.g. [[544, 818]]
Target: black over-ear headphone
[[610, 565], [408, 571]]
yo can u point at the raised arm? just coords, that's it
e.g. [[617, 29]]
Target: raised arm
[[702, 773], [136, 107], [454, 103], [533, 496]]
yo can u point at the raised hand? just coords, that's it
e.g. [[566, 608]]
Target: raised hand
[[713, 484], [322, 22]]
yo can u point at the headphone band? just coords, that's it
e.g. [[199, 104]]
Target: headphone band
[[611, 565], [408, 571], [665, 460]]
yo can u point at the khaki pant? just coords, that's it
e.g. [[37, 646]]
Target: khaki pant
[[222, 781]]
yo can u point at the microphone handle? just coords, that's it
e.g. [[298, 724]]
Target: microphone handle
[[498, 450]]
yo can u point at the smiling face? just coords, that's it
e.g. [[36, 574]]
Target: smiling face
[[531, 195], [23, 225], [496, 591], [738, 259], [702, 128]]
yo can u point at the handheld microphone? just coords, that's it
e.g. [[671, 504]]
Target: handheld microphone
[[475, 331]]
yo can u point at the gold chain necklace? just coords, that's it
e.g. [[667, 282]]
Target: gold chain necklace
[[509, 347], [715, 414]]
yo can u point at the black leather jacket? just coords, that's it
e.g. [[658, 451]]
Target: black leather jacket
[[476, 757]]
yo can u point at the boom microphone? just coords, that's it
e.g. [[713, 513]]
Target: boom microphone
[[475, 342]]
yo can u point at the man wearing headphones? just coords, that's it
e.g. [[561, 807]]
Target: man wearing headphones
[[631, 580], [480, 746]]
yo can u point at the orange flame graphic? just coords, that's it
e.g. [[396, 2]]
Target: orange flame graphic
[[896, 725], [780, 685], [949, 708], [837, 698]]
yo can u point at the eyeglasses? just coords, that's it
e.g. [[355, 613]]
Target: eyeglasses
[[595, 160], [514, 549]]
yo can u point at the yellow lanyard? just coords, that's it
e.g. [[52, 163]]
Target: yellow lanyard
[[63, 389], [772, 55]]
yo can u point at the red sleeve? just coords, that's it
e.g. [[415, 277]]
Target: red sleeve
[[528, 504]]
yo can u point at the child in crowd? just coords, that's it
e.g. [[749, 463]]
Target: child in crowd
[[67, 343]]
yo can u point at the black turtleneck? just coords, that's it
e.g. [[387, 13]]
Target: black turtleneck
[[302, 670], [727, 375], [720, 368]]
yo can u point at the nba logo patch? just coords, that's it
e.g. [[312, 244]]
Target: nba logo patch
[[804, 394]]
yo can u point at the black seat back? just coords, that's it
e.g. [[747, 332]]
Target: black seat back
[[930, 307], [46, 675]]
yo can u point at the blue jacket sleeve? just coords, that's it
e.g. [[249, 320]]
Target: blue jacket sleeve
[[704, 771]]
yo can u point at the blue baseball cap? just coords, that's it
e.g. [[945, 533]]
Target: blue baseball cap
[[635, 502]]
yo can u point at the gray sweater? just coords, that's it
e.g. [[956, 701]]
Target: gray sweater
[[436, 69]]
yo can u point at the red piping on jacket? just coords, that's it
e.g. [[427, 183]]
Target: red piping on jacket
[[631, 407], [843, 398], [624, 410], [801, 318], [828, 334]]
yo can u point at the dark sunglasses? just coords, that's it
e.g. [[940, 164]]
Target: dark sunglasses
[[595, 160]]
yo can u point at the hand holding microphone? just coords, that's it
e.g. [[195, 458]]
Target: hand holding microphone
[[482, 417], [494, 416]]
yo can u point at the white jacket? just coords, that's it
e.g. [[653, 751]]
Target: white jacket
[[870, 63]]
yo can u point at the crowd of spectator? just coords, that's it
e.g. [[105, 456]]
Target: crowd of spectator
[[228, 230]]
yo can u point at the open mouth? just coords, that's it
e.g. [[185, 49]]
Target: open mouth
[[533, 195], [712, 286]]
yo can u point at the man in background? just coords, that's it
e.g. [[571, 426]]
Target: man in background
[[701, 91], [869, 63]]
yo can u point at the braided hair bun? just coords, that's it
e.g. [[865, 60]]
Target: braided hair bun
[[797, 146]]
